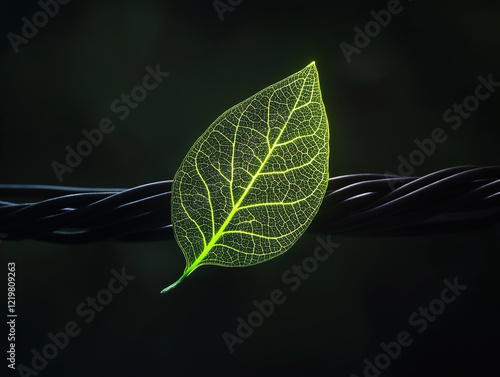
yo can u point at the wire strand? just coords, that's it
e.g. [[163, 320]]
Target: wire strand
[[453, 200]]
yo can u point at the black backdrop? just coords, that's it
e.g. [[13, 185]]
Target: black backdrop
[[396, 89]]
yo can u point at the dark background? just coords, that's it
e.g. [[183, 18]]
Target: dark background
[[394, 91]]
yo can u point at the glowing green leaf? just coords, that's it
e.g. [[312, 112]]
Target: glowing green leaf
[[252, 183]]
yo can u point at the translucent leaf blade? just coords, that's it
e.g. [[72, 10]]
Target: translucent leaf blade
[[252, 183]]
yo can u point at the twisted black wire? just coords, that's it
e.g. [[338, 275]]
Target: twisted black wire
[[452, 200]]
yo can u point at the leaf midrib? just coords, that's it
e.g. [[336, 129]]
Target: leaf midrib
[[220, 232]]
